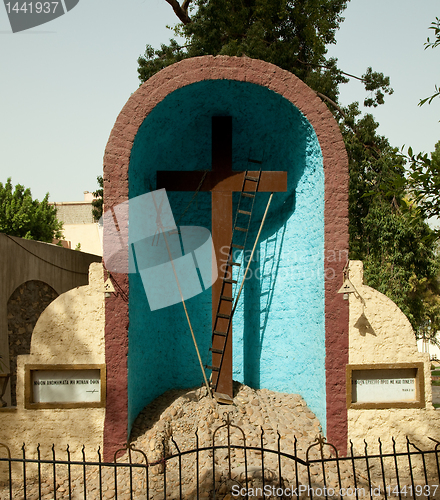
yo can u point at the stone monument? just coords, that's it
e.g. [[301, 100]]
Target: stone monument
[[195, 129]]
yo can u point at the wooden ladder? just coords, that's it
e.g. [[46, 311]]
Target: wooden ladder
[[223, 318]]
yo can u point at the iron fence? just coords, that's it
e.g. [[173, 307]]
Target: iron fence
[[227, 468]]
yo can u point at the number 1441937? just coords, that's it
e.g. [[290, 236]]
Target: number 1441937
[[419, 490], [32, 7]]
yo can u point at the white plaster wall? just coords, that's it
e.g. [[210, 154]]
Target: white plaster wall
[[380, 333], [69, 331], [85, 234]]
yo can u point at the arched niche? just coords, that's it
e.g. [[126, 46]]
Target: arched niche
[[24, 307]]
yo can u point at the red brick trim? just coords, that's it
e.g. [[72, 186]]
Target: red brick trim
[[116, 161]]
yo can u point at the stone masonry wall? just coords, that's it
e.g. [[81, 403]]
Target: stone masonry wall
[[69, 331], [24, 308]]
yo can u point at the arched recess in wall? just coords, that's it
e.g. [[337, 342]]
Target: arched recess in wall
[[117, 160], [25, 306]]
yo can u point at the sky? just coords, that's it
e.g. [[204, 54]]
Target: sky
[[64, 83]]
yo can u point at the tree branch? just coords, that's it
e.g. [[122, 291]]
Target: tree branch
[[185, 5], [325, 98], [316, 65], [181, 11]]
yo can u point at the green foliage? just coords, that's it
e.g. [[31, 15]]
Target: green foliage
[[377, 83], [399, 250], [435, 26], [291, 34], [24, 217], [376, 175], [386, 231], [401, 262], [396, 245], [431, 97], [424, 181], [97, 203]]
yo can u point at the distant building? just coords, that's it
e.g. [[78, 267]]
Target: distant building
[[79, 229], [425, 346]]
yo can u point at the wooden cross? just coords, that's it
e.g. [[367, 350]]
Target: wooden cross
[[222, 181]]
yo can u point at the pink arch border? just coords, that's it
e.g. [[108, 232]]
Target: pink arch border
[[116, 163]]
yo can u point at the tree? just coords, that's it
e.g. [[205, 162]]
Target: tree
[[291, 34], [424, 182], [424, 171], [401, 262], [435, 26], [376, 175], [98, 201], [396, 247], [24, 217]]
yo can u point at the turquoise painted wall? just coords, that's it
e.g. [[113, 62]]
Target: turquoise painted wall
[[278, 328]]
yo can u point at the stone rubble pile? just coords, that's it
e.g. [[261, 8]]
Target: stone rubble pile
[[171, 422], [180, 414]]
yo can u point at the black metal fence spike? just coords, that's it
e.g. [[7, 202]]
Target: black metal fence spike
[[387, 469], [175, 444]]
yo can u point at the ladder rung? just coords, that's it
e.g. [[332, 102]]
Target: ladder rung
[[244, 212], [222, 334], [230, 263], [224, 297], [240, 247], [248, 195], [221, 315], [227, 280], [213, 368], [255, 161], [216, 351], [249, 178], [242, 229]]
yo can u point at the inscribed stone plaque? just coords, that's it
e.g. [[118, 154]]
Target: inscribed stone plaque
[[399, 385], [65, 386], [377, 386]]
